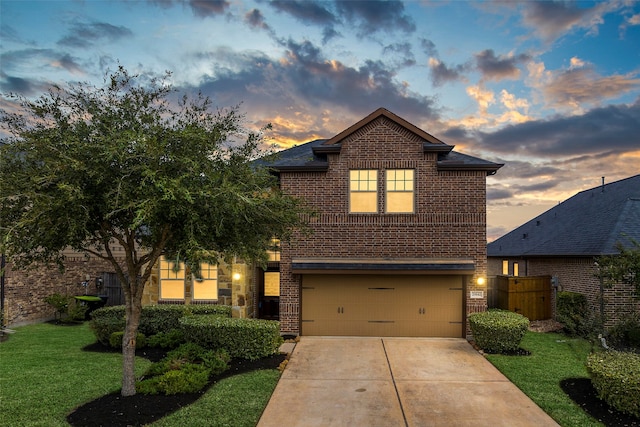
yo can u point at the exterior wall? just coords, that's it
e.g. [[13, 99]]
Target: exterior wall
[[449, 219], [25, 290], [577, 274]]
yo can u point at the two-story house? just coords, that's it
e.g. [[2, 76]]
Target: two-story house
[[399, 241]]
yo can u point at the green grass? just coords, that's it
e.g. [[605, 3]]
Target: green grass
[[554, 357], [44, 375]]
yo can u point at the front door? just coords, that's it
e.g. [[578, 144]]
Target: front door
[[269, 299]]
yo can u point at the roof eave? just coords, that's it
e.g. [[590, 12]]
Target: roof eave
[[490, 169]]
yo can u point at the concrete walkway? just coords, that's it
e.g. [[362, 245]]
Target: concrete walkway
[[388, 382]]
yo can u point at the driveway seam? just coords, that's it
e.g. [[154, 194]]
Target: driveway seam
[[395, 387]]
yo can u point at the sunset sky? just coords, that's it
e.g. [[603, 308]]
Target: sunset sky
[[551, 89]]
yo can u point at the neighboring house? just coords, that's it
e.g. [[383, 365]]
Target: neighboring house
[[564, 242], [399, 240]]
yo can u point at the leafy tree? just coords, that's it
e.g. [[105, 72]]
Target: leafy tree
[[93, 168], [623, 267]]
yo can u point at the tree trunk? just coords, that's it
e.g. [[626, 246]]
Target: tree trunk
[[133, 311]]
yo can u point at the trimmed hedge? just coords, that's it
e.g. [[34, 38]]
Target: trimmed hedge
[[153, 320], [616, 377], [243, 338], [498, 331]]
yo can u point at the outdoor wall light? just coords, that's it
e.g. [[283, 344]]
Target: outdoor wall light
[[481, 281], [236, 276]]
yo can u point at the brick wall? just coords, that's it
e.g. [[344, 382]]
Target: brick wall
[[577, 274], [449, 221], [25, 290]]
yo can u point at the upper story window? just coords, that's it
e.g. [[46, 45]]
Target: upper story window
[[363, 191], [399, 197], [273, 253]]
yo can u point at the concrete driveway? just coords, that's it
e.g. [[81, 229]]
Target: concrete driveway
[[387, 382]]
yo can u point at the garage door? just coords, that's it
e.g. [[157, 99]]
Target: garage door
[[368, 305]]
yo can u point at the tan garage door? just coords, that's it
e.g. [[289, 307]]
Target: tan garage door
[[369, 305]]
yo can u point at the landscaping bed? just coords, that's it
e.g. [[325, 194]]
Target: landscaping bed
[[142, 409]]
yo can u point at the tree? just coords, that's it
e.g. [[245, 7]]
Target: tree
[[92, 167], [623, 267]]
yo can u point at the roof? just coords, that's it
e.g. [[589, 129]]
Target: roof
[[590, 223], [312, 156]]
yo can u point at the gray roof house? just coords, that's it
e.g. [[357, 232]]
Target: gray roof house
[[565, 241]]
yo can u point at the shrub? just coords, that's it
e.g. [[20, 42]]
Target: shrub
[[107, 320], [190, 378], [115, 340], [498, 331], [572, 310], [616, 377], [153, 319], [184, 370], [625, 334], [170, 339], [59, 302], [244, 338]]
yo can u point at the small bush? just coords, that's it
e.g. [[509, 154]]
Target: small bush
[[115, 340], [184, 370], [107, 320], [59, 302], [244, 338], [616, 377], [170, 339], [498, 331], [572, 310], [625, 334]]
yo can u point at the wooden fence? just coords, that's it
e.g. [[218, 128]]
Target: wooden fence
[[529, 296]]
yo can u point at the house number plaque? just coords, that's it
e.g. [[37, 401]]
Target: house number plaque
[[477, 294]]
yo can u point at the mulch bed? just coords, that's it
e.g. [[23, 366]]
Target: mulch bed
[[582, 392], [113, 410]]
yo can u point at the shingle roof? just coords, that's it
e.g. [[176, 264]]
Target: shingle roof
[[312, 156], [588, 224]]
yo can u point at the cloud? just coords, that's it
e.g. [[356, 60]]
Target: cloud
[[208, 8], [441, 73], [303, 81], [500, 67], [615, 127], [483, 97], [575, 87], [255, 19], [84, 35], [18, 85], [306, 11], [376, 16], [403, 51], [37, 58]]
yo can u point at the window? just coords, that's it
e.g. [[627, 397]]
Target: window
[[400, 191], [274, 250], [205, 284], [171, 279], [363, 191], [272, 284], [505, 267], [516, 269]]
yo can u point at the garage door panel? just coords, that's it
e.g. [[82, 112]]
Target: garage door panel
[[367, 305]]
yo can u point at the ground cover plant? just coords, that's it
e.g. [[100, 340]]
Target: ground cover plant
[[555, 377], [53, 375]]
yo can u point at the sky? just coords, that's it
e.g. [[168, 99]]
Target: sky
[[550, 89]]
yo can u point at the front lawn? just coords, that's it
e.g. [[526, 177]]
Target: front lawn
[[45, 374], [554, 357]]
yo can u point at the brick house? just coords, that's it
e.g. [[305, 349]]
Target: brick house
[[397, 249], [564, 242], [399, 240]]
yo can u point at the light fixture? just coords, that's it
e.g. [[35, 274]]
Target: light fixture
[[480, 281], [236, 276]]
